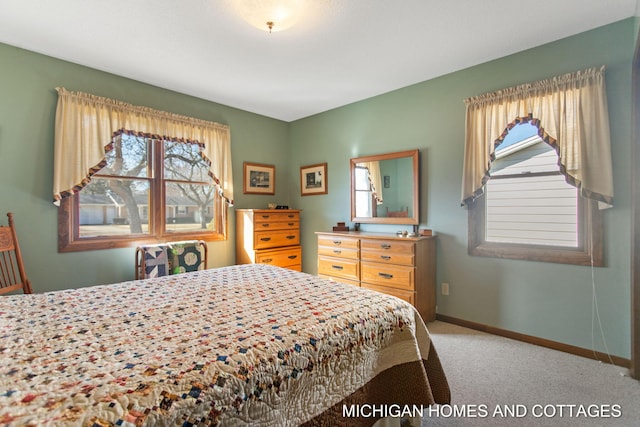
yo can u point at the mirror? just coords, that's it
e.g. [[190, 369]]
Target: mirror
[[384, 188]]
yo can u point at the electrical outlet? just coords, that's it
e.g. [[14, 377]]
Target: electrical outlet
[[445, 288]]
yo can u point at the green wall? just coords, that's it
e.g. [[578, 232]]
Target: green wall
[[551, 301], [27, 111]]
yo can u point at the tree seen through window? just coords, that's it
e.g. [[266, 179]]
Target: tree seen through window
[[148, 186]]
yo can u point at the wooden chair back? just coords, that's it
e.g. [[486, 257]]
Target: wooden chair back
[[12, 273], [398, 214]]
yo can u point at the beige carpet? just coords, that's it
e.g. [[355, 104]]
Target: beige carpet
[[490, 376]]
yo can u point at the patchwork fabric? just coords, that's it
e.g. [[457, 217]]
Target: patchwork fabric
[[235, 346], [186, 257], [156, 261], [170, 258]]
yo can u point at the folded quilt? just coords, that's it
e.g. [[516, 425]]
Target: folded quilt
[[185, 257], [156, 261], [170, 258]]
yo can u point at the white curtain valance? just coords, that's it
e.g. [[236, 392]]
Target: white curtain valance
[[570, 112], [86, 123]]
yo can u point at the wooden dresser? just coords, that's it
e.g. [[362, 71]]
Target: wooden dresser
[[401, 266], [269, 236]]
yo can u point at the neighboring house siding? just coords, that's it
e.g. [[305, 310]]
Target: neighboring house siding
[[530, 209], [96, 214]]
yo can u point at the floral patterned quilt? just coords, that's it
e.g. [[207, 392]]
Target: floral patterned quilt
[[239, 345]]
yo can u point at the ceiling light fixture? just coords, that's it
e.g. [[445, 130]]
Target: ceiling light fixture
[[269, 15]]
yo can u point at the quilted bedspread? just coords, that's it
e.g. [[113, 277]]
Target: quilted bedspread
[[239, 345]]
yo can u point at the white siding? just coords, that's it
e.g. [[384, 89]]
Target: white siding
[[537, 158], [531, 209]]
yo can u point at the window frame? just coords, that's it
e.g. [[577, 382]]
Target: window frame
[[590, 239], [69, 239]]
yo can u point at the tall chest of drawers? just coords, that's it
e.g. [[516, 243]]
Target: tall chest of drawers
[[269, 236], [401, 266]]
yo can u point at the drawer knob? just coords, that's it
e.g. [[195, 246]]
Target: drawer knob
[[266, 216], [265, 239], [268, 260], [385, 257], [386, 275], [293, 256], [266, 225], [337, 267], [337, 251], [385, 246], [337, 242], [291, 237]]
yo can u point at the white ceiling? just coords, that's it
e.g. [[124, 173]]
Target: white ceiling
[[340, 52]]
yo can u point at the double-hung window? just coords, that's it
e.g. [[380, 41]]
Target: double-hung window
[[364, 199]]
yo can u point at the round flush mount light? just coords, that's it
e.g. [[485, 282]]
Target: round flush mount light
[[270, 15]]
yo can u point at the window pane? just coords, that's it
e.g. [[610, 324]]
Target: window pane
[[129, 157], [183, 162], [540, 210], [363, 204], [189, 207], [114, 207], [362, 179], [528, 201]]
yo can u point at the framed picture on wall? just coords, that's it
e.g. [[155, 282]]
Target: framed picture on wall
[[313, 179], [259, 179]]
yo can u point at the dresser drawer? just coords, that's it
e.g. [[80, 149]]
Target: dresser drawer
[[340, 252], [285, 225], [395, 276], [397, 247], [282, 257], [389, 257], [277, 221], [339, 267], [276, 238], [407, 296], [260, 217], [338, 242]]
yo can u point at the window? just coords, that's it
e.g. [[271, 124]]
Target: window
[[529, 211], [365, 205], [126, 174], [148, 189], [528, 200], [367, 185], [519, 206]]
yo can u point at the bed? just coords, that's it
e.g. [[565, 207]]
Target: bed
[[238, 345]]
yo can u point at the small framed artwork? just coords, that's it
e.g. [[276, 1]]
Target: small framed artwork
[[313, 179], [259, 179]]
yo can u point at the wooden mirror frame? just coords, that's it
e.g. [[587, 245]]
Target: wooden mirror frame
[[412, 220]]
